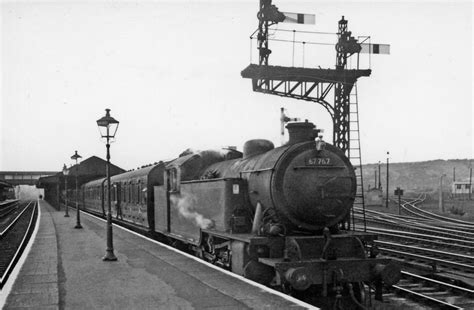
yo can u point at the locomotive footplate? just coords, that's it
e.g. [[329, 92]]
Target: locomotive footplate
[[328, 259], [262, 240], [302, 274]]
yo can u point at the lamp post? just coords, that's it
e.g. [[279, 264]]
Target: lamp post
[[386, 202], [65, 173], [108, 127], [78, 219]]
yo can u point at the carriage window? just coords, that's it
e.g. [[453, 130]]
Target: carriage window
[[144, 193]]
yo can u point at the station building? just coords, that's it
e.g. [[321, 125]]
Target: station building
[[374, 197], [89, 169], [461, 189]]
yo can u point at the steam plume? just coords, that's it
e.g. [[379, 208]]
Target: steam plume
[[184, 203]]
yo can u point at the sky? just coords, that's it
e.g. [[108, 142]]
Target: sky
[[170, 73]]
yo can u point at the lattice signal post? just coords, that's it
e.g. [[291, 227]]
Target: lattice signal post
[[315, 84], [311, 84]]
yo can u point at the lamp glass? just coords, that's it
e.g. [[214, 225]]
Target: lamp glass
[[107, 125]]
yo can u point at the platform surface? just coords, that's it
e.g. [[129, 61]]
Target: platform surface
[[64, 270]]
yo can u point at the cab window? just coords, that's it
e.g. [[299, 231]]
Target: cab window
[[173, 179]]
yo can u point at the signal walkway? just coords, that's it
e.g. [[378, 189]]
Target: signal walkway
[[64, 270]]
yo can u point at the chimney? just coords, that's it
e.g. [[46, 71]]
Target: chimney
[[301, 132]]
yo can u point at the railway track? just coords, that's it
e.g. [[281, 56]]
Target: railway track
[[410, 206], [378, 220], [8, 207], [435, 258], [438, 243], [423, 241], [452, 243], [439, 294], [14, 238], [10, 214]]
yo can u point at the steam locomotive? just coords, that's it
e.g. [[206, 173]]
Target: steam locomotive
[[278, 216]]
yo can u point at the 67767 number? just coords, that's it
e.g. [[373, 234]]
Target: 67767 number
[[318, 161]]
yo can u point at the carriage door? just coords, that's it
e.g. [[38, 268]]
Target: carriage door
[[118, 199], [101, 196]]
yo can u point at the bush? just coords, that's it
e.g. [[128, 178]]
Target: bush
[[457, 211]]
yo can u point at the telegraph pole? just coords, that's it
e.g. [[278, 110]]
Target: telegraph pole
[[380, 182], [441, 206], [470, 183], [375, 181], [386, 190]]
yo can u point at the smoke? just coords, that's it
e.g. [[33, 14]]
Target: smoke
[[28, 192], [184, 203]]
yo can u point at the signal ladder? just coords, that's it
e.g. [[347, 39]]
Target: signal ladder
[[355, 152]]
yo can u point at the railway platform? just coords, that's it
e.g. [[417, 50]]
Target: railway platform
[[64, 270]]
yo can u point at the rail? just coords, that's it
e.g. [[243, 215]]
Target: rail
[[440, 217], [7, 207], [428, 259], [435, 297], [426, 298], [14, 241], [4, 231], [425, 239], [435, 228]]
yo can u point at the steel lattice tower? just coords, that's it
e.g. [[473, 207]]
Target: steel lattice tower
[[309, 84]]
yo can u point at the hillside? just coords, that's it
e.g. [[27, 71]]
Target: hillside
[[418, 176]]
